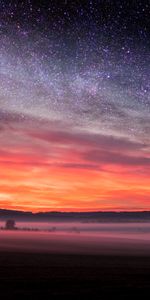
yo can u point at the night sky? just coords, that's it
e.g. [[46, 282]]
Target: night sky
[[75, 105]]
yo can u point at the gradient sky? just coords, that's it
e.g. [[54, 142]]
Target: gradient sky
[[74, 105]]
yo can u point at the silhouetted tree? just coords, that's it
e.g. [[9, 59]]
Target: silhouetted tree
[[10, 224]]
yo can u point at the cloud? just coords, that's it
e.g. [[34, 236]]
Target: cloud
[[80, 166], [116, 158], [49, 144], [87, 139]]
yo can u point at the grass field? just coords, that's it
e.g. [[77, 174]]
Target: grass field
[[50, 276]]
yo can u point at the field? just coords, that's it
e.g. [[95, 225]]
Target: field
[[50, 276]]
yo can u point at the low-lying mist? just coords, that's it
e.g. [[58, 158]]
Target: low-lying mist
[[77, 238]]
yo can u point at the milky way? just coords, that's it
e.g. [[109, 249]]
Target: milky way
[[75, 85]]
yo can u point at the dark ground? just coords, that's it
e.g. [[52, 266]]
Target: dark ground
[[50, 276]]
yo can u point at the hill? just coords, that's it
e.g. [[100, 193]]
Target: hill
[[99, 216]]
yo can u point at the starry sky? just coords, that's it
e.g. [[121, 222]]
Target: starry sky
[[75, 105]]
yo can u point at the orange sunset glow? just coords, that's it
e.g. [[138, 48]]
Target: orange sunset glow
[[76, 172]]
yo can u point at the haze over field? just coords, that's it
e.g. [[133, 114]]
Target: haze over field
[[77, 237]]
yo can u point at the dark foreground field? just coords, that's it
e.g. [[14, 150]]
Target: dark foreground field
[[50, 276]]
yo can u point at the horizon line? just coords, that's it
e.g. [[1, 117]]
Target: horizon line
[[77, 212]]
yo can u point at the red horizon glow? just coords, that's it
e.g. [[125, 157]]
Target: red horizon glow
[[54, 170]]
